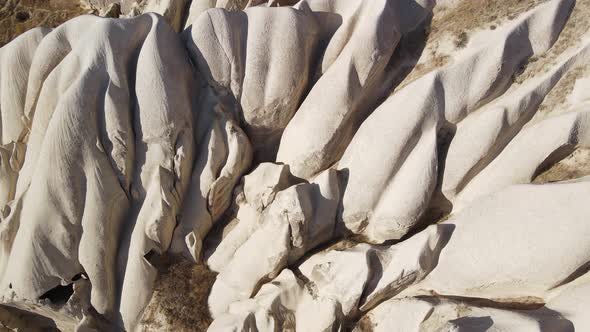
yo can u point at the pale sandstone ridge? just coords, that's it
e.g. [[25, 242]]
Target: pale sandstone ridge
[[290, 150], [403, 131], [107, 162], [355, 57], [260, 83]]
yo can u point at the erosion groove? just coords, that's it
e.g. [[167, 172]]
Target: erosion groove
[[313, 165]]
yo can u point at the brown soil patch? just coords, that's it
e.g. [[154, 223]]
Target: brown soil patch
[[459, 21], [18, 16], [179, 302], [556, 99], [574, 166], [472, 14], [577, 25]]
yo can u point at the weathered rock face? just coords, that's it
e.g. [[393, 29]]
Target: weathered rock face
[[404, 164], [258, 61], [357, 50], [300, 218], [107, 161], [317, 165]]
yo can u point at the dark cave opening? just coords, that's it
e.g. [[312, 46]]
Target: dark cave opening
[[59, 294]]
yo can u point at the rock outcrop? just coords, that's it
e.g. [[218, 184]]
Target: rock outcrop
[[315, 165], [258, 61], [356, 53]]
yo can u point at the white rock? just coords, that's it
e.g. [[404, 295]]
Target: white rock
[[536, 146], [239, 279], [172, 10], [571, 303], [300, 218], [284, 304], [580, 91], [225, 154], [400, 167], [352, 64], [341, 275], [15, 64], [101, 181], [257, 192], [389, 185], [197, 7], [266, 68], [405, 263], [11, 161], [123, 142], [515, 265], [484, 135], [435, 314], [264, 182]]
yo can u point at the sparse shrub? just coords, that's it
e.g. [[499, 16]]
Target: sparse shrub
[[235, 5], [17, 17], [461, 40], [180, 297]]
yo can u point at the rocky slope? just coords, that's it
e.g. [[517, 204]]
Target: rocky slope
[[382, 165]]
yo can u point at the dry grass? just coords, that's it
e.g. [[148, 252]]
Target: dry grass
[[557, 97], [364, 325], [577, 25], [574, 166], [235, 5], [458, 22], [342, 245], [473, 14], [179, 302], [18, 16]]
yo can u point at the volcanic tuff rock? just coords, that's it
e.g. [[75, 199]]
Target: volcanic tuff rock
[[382, 165]]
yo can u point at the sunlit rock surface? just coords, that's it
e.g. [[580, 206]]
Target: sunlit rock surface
[[387, 165]]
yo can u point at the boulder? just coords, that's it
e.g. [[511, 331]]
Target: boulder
[[300, 218]]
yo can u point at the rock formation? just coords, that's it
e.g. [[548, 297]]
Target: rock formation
[[314, 165]]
